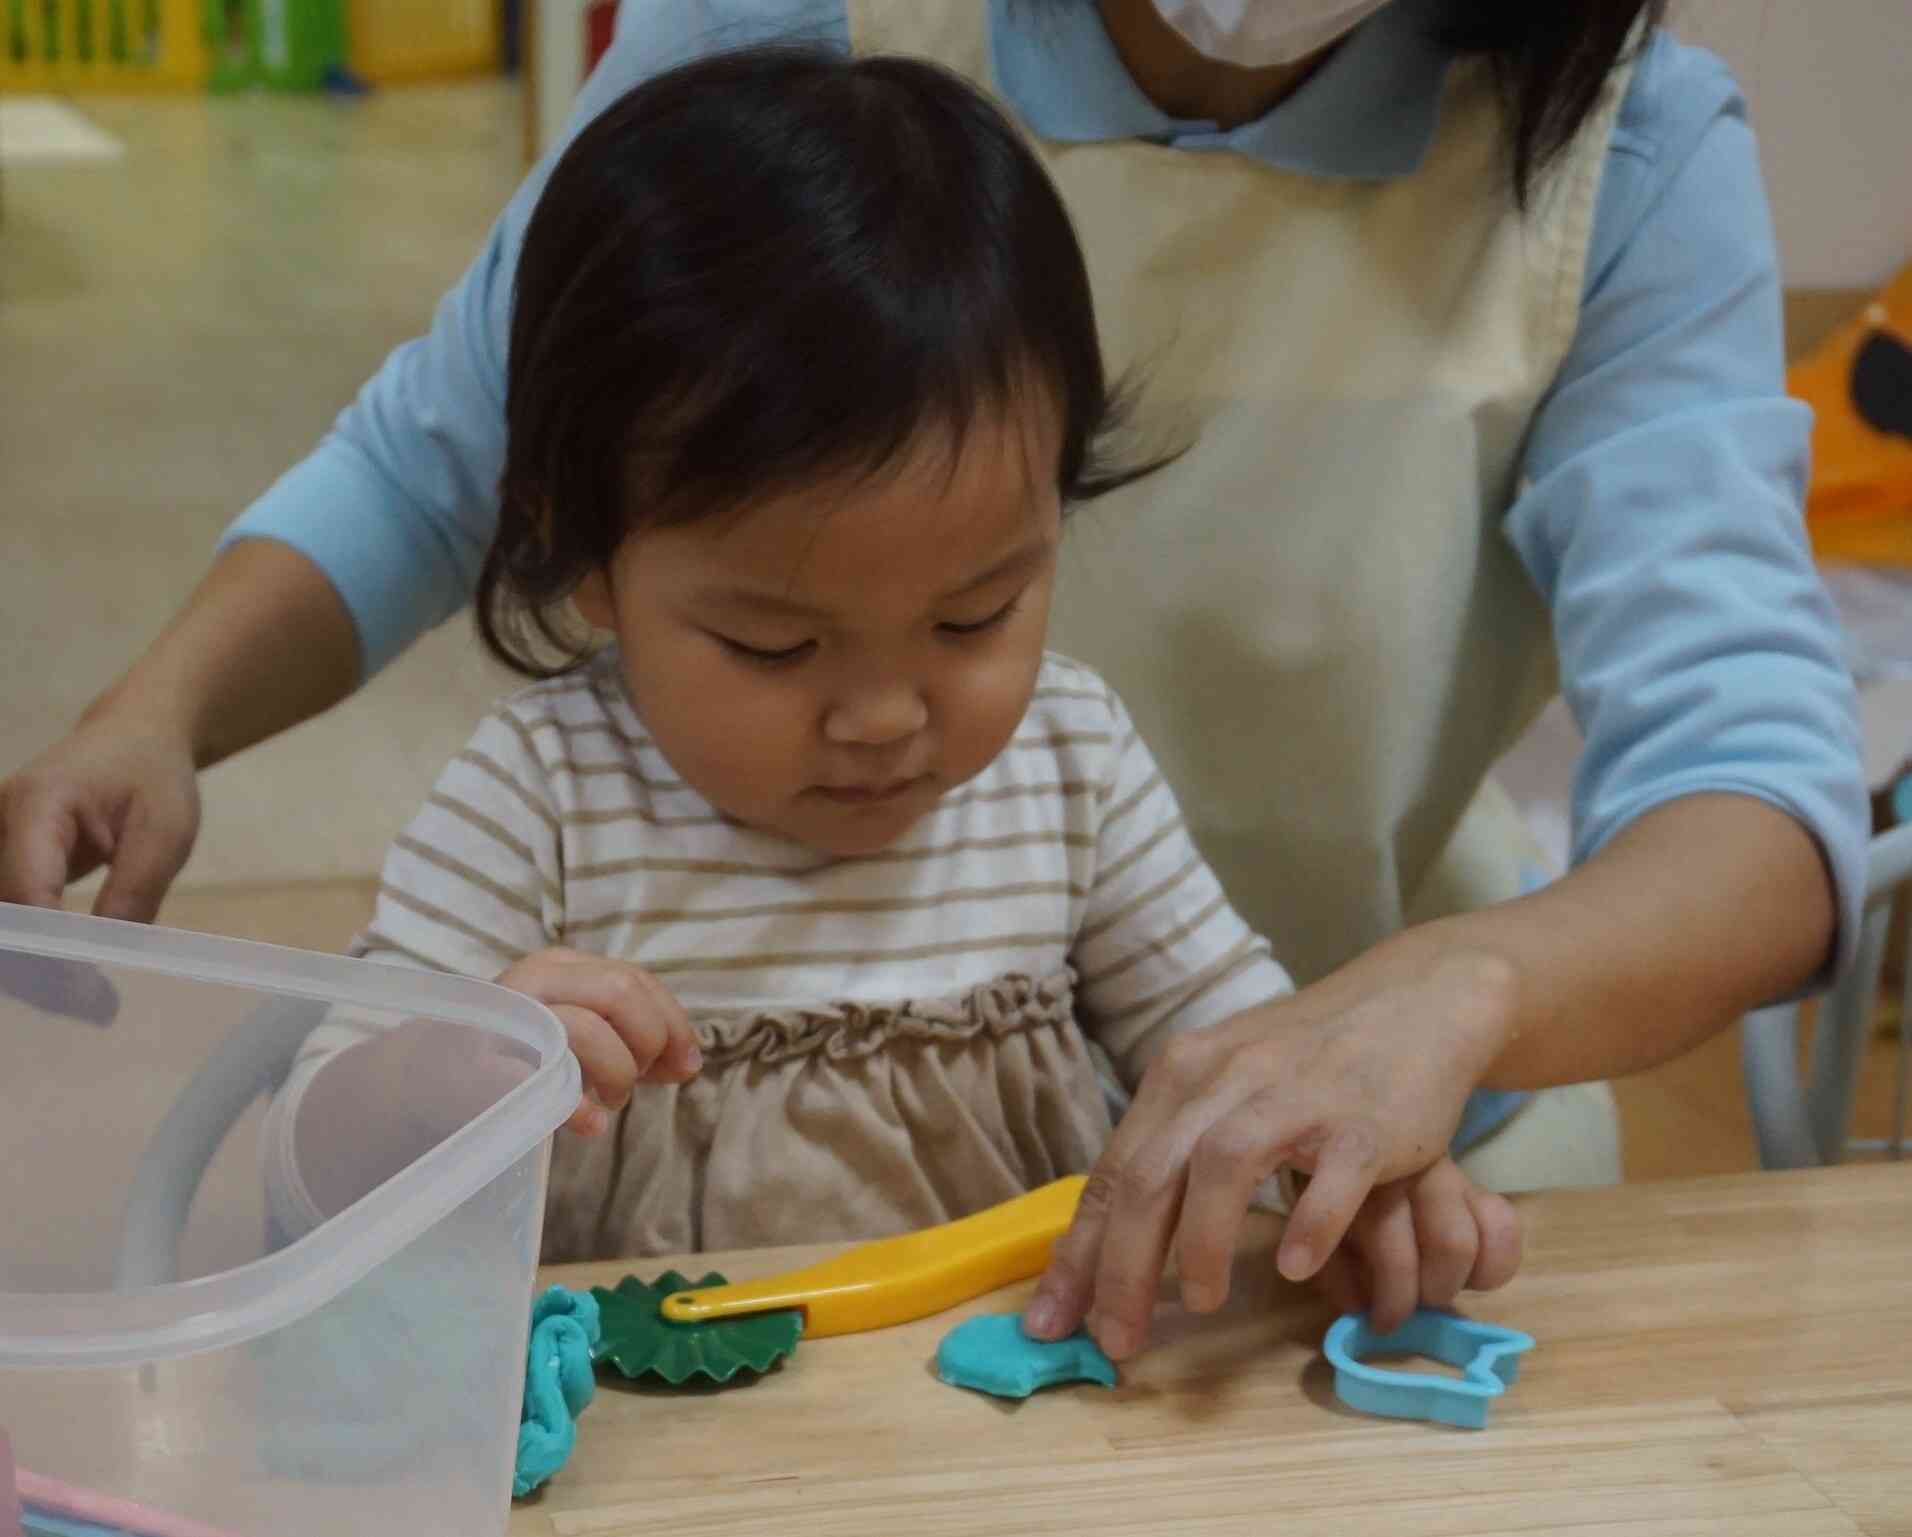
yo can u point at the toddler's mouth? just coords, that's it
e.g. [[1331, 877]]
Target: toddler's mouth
[[870, 795]]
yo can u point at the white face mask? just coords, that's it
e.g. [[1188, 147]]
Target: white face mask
[[1257, 33]]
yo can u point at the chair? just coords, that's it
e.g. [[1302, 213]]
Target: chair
[[1804, 1126], [253, 1060]]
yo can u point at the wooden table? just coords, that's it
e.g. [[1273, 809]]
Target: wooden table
[[1721, 1356]]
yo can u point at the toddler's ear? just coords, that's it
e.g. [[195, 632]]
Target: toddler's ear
[[592, 600]]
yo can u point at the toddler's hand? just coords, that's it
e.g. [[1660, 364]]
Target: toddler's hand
[[1421, 1242], [624, 1026]]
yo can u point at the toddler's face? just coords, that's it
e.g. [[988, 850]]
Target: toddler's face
[[827, 664]]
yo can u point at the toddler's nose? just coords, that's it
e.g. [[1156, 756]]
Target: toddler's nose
[[877, 716]]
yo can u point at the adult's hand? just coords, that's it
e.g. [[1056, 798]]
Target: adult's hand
[[117, 792], [263, 643], [1358, 1081], [1707, 906]]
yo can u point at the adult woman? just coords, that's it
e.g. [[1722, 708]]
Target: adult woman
[[1469, 311]]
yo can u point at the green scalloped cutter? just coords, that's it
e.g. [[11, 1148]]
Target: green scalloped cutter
[[639, 1341]]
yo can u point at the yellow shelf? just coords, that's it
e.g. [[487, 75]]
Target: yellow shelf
[[60, 47], [393, 41]]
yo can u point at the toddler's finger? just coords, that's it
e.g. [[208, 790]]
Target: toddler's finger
[[1445, 1232], [680, 1060], [603, 1058], [619, 994], [1342, 1176], [1498, 1225], [1386, 1238], [683, 1058], [637, 1008]]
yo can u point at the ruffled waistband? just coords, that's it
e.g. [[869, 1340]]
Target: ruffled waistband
[[845, 1032]]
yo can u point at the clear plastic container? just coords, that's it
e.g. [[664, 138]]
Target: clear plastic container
[[156, 1345]]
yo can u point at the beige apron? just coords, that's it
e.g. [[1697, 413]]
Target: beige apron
[[1313, 616]]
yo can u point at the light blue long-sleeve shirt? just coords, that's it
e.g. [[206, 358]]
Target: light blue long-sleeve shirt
[[1662, 479]]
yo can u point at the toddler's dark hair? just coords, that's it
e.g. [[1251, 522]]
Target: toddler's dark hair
[[763, 267]]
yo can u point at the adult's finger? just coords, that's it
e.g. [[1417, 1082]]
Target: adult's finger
[[1211, 1133], [1067, 1286], [1343, 1174], [1070, 1287], [1193, 1096], [39, 846], [150, 848], [1135, 1244], [1230, 1162]]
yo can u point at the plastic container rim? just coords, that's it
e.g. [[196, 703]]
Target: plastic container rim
[[118, 1329]]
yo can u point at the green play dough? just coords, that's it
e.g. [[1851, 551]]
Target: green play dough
[[993, 1355]]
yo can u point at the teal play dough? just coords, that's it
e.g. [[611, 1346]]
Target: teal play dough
[[993, 1355], [558, 1384]]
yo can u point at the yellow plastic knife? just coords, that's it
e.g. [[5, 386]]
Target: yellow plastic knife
[[895, 1280]]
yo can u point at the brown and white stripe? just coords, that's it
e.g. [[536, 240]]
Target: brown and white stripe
[[562, 823]]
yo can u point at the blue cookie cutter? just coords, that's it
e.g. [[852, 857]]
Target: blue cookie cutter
[[1488, 1355]]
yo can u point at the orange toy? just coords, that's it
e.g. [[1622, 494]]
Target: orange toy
[[1859, 384]]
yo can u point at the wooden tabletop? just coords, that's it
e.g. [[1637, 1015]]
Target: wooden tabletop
[[1721, 1356]]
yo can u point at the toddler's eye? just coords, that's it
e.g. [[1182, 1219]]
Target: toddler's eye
[[765, 657], [1001, 616]]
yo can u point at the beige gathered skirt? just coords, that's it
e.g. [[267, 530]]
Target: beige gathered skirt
[[838, 1122]]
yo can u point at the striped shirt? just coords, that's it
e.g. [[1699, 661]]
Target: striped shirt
[[562, 824]]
